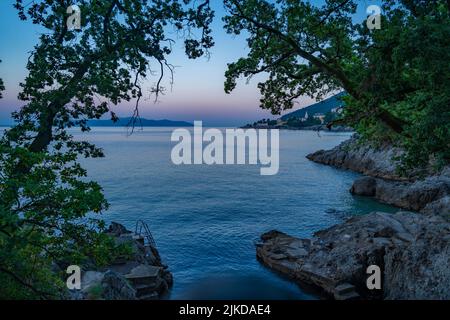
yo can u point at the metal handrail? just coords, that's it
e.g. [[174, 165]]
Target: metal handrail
[[147, 234]]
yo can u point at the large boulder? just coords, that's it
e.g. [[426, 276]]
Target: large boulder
[[430, 195], [440, 206], [117, 229], [412, 250], [116, 287], [412, 196], [364, 186], [109, 285]]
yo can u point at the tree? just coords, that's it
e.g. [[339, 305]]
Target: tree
[[329, 117], [75, 75], [396, 78]]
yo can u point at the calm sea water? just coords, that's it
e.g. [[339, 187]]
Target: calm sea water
[[205, 219]]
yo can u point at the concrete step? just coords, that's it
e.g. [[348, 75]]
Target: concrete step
[[144, 271], [352, 295], [344, 288], [152, 296], [143, 289], [124, 268], [144, 275], [139, 239]]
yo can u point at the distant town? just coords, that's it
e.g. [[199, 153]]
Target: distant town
[[313, 117]]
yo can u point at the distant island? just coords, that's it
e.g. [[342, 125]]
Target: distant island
[[123, 122], [313, 117]]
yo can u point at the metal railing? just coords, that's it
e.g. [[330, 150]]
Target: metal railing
[[143, 230]]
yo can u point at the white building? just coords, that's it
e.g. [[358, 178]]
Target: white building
[[305, 117]]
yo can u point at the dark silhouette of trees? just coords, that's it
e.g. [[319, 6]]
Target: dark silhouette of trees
[[396, 77], [75, 75]]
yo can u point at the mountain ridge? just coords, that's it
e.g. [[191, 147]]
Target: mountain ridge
[[323, 106], [123, 122]]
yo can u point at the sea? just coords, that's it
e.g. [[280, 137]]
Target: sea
[[206, 219]]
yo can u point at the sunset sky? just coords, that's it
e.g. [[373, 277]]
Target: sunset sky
[[197, 93]]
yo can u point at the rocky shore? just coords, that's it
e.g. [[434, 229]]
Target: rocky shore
[[353, 155], [412, 249], [140, 275], [428, 195]]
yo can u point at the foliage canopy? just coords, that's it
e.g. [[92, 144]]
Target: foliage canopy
[[73, 76], [397, 78]]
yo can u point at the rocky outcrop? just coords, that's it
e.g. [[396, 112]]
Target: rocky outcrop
[[364, 186], [440, 207], [353, 155], [426, 195], [412, 251], [140, 275]]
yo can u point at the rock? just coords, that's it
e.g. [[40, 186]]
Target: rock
[[117, 229], [412, 250], [116, 287], [430, 195], [141, 275], [353, 155], [90, 279], [345, 291], [440, 206], [144, 270], [364, 186], [412, 196], [382, 180], [296, 253]]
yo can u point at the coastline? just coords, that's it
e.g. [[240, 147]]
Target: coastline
[[335, 260], [429, 194], [308, 128]]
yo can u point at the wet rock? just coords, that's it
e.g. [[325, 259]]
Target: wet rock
[[412, 250], [364, 186]]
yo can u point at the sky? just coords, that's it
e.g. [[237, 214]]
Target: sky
[[197, 93]]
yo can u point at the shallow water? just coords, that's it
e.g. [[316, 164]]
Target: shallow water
[[205, 219]]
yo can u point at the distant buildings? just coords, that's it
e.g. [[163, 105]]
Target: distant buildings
[[305, 117], [337, 110], [308, 119], [319, 116]]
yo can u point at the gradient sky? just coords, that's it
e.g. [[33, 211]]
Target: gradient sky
[[197, 92]]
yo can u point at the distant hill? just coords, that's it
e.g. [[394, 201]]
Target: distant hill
[[122, 122], [323, 106]]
